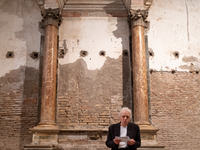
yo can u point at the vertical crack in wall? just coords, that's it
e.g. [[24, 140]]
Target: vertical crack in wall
[[187, 20]]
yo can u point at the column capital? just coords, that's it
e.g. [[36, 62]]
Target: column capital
[[51, 17], [138, 17]]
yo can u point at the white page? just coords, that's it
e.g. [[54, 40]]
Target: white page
[[123, 138]]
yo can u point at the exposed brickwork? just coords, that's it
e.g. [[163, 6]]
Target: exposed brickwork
[[175, 109], [89, 98], [93, 140], [18, 107]]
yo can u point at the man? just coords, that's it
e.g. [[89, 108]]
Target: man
[[121, 129]]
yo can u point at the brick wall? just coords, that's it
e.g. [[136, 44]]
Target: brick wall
[[89, 98], [18, 107], [175, 109]]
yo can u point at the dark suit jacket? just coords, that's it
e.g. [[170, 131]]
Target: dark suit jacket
[[133, 131]]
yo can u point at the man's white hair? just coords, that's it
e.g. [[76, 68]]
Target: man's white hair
[[125, 109]]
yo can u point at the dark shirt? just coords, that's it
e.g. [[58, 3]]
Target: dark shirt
[[133, 131]]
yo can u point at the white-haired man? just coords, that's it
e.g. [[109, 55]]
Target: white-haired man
[[122, 129]]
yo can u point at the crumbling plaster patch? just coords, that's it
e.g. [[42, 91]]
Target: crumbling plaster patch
[[193, 63], [22, 77], [19, 33], [173, 27], [9, 42], [90, 98], [93, 35]]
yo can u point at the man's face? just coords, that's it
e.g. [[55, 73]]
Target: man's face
[[125, 118]]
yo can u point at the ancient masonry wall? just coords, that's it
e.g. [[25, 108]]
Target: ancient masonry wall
[[19, 107], [90, 75], [175, 109], [174, 64], [91, 89], [94, 75], [19, 75]]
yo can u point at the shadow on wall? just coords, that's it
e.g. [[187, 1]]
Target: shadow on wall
[[29, 110], [118, 10]]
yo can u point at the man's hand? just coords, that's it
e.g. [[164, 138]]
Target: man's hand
[[116, 141], [131, 142]]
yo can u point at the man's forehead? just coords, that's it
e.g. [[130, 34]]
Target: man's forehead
[[125, 112]]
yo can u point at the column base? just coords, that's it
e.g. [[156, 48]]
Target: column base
[[148, 138], [46, 127], [45, 135]]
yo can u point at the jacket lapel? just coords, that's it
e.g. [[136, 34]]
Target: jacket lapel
[[128, 130], [118, 130]]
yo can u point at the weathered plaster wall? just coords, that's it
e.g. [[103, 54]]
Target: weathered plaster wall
[[175, 109], [174, 28], [19, 75], [93, 34], [93, 87], [91, 90], [174, 95], [91, 84], [19, 33]]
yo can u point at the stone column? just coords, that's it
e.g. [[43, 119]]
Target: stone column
[[140, 94], [50, 23], [46, 131]]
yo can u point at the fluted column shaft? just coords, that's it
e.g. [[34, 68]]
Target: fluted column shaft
[[140, 93]]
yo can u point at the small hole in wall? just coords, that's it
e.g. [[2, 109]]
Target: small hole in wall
[[151, 71], [61, 53], [102, 53], [10, 54], [125, 52], [83, 53], [34, 55], [197, 72], [151, 53], [173, 71], [176, 54]]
